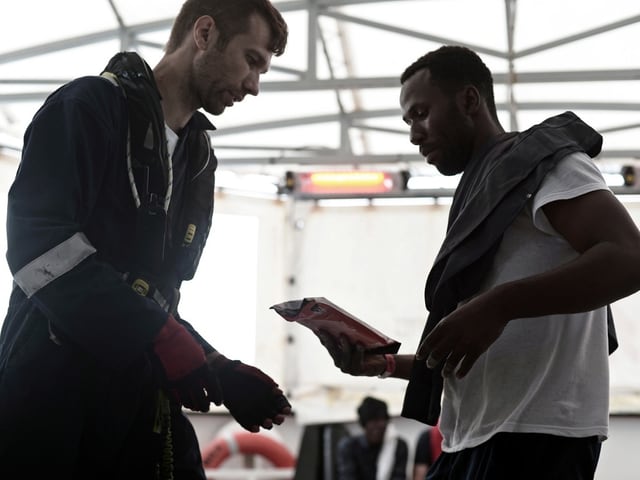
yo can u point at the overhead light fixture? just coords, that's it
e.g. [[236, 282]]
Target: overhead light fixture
[[348, 182]]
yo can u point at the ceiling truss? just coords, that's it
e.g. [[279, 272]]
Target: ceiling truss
[[307, 79]]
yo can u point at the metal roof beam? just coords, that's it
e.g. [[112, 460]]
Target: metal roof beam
[[578, 36], [310, 120], [510, 11], [280, 148], [384, 82], [292, 122], [295, 5], [409, 33], [392, 112], [619, 128], [146, 27], [82, 41], [338, 159], [570, 105], [572, 76], [498, 78], [350, 159]]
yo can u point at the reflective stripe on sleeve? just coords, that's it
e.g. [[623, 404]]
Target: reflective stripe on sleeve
[[53, 264]]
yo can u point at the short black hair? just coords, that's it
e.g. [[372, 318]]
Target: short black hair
[[371, 409], [451, 67]]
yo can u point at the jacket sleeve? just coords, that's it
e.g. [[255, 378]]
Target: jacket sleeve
[[345, 461], [67, 150], [206, 346]]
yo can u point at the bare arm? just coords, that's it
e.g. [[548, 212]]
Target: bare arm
[[600, 229]]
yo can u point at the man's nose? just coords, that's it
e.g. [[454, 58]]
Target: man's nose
[[416, 134], [252, 83]]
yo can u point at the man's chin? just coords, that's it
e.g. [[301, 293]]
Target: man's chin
[[433, 161], [448, 172], [445, 168], [216, 110]]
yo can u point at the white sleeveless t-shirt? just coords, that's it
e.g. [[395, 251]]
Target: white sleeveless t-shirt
[[546, 374]]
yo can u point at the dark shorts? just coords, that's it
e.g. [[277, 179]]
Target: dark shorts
[[522, 456]]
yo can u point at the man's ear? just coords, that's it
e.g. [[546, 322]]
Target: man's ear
[[471, 100], [204, 32]]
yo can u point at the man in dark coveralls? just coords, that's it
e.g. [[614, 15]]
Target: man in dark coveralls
[[108, 214]]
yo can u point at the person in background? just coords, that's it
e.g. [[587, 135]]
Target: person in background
[[428, 449], [378, 453], [513, 359], [108, 214]]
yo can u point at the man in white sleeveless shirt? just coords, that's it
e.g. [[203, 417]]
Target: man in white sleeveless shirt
[[537, 246]]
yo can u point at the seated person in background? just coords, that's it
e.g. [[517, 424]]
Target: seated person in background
[[428, 449], [377, 454]]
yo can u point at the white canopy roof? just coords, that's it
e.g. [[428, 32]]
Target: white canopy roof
[[332, 98]]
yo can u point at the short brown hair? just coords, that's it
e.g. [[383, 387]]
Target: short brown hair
[[232, 18]]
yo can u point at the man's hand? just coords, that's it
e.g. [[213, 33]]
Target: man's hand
[[184, 366], [352, 358], [197, 390], [250, 395], [461, 337]]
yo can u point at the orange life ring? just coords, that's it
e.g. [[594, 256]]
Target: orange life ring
[[222, 447]]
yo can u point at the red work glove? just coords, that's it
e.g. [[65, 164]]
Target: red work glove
[[185, 368], [250, 395]]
